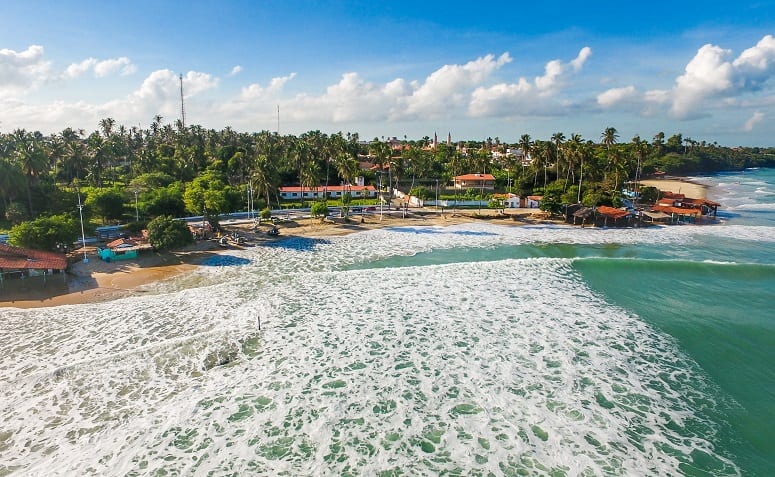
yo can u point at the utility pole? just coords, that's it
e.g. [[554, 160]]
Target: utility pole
[[83, 235], [137, 211], [182, 108]]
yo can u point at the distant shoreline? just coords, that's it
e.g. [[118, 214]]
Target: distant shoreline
[[99, 281]]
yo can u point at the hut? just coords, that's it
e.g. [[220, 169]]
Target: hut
[[618, 217], [121, 249]]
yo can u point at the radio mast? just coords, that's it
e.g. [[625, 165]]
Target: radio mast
[[182, 106]]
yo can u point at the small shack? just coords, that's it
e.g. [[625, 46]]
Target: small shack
[[618, 217], [120, 249]]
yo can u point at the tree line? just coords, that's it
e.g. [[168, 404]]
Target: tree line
[[134, 174]]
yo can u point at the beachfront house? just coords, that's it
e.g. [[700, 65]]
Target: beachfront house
[[122, 249], [332, 191], [475, 181], [17, 262], [507, 201], [533, 201]]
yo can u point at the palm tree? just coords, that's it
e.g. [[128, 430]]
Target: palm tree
[[639, 148], [573, 153], [557, 139], [609, 137], [31, 158]]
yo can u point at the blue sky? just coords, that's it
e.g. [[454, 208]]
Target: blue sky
[[476, 70]]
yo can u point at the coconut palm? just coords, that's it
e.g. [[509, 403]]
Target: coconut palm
[[31, 159], [557, 139]]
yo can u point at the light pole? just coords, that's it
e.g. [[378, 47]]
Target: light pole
[[137, 211], [83, 235], [437, 195]]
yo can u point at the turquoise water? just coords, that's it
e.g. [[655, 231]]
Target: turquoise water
[[715, 296], [473, 349]]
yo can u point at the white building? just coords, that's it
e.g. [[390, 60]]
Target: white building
[[332, 191]]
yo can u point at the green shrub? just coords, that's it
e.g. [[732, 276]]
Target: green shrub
[[166, 233]]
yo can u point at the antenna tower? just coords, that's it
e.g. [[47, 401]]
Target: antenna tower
[[182, 106]]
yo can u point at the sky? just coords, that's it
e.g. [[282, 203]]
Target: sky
[[405, 69]]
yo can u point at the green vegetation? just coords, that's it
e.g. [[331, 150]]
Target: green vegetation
[[319, 209], [130, 174], [45, 233], [166, 233]]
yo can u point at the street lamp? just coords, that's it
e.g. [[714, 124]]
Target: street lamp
[[437, 195], [137, 211], [83, 235]]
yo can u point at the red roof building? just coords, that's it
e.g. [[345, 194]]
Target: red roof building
[[475, 181], [25, 262]]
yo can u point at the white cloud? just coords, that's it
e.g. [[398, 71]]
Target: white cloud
[[101, 68], [449, 86], [22, 71], [615, 96], [755, 119], [443, 93], [710, 81], [706, 75], [756, 65], [524, 97], [256, 91], [235, 70], [556, 71], [160, 94]]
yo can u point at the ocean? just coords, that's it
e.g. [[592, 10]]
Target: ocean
[[474, 349]]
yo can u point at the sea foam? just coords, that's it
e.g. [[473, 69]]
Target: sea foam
[[505, 366]]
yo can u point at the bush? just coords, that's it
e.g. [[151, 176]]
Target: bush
[[166, 233], [266, 214], [319, 209], [45, 233]]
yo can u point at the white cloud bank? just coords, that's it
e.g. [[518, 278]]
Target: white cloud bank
[[22, 71], [709, 80], [755, 119], [100, 68]]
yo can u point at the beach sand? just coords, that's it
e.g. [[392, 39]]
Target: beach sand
[[686, 187], [99, 281]]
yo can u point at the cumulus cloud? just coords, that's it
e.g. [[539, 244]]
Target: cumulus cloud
[[755, 119], [445, 92], [756, 65], [235, 70], [556, 71], [712, 78], [706, 75], [23, 70], [256, 91], [525, 97], [449, 86], [100, 68], [615, 96], [160, 93]]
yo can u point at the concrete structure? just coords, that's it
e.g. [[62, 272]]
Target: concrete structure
[[475, 181], [320, 192], [22, 263]]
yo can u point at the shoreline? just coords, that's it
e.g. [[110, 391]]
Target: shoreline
[[678, 185], [99, 281]]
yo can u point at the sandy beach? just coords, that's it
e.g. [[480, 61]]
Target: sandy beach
[[98, 281], [687, 187]]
